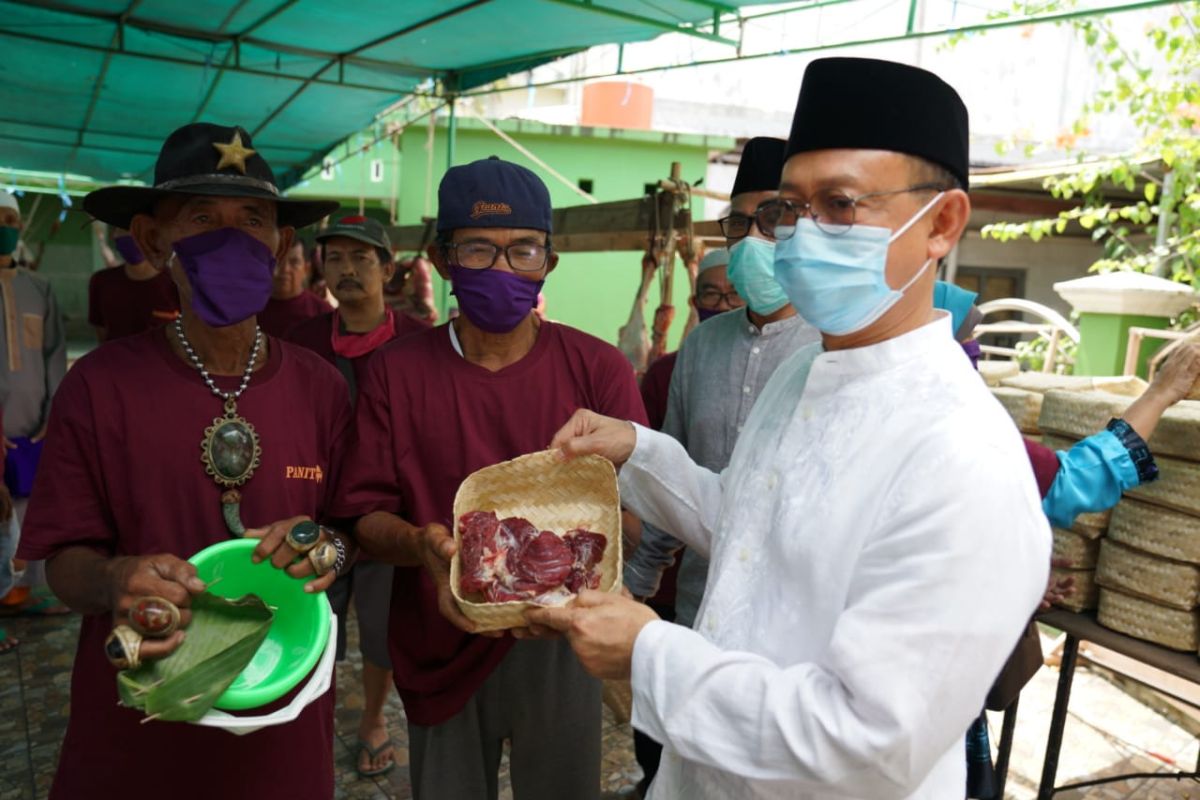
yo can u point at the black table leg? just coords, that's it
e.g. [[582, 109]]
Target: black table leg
[[1007, 730], [1058, 720]]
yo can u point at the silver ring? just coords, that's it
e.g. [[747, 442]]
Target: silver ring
[[324, 557]]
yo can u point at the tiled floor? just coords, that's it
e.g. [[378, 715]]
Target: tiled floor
[[34, 692], [1109, 731]]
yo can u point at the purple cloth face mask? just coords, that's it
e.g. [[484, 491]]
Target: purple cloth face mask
[[128, 249], [705, 314], [230, 274], [494, 301]]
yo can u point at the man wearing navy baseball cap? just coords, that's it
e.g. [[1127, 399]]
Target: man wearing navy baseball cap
[[491, 385]]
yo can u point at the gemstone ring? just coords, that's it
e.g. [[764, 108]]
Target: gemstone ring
[[123, 647], [303, 536]]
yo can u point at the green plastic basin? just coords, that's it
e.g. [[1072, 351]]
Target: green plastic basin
[[299, 632]]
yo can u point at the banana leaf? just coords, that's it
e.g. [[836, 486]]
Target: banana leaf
[[221, 640]]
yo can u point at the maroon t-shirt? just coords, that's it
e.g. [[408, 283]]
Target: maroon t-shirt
[[1044, 462], [123, 306], [426, 419], [121, 474], [280, 316], [317, 335], [656, 385]]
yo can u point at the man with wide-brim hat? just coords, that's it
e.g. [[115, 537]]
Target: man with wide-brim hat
[[877, 542], [166, 442]]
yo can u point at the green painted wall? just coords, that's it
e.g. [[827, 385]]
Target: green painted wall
[[1103, 339], [590, 291]]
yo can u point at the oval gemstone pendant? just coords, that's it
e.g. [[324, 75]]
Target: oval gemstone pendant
[[230, 450]]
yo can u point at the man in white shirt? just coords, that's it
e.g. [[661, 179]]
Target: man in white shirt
[[877, 543]]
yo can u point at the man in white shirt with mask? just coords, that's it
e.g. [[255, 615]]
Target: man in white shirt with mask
[[877, 543]]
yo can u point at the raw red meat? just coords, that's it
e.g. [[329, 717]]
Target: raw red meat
[[521, 531], [478, 530], [507, 560], [544, 561], [587, 549]]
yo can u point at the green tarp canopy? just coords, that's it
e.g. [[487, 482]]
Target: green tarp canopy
[[92, 87]]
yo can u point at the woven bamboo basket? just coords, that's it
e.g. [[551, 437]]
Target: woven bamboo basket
[[1057, 442], [993, 372], [1156, 530], [1159, 580], [1092, 525], [1079, 414], [1177, 487], [1178, 432], [1085, 595], [1141, 619], [1023, 406], [1041, 382], [1081, 551], [552, 494]]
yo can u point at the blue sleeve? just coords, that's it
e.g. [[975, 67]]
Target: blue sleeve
[[1091, 477]]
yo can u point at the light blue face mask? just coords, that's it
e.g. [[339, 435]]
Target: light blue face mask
[[838, 282], [752, 272]]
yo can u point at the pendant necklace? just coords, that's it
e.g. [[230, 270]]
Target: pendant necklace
[[230, 448]]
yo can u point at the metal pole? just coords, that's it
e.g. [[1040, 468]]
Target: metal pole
[[1058, 719], [451, 131], [976, 28], [1007, 731], [451, 137], [1164, 221]]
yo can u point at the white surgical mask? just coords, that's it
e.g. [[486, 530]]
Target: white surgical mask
[[838, 281]]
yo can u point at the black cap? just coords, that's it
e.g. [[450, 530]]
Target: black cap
[[491, 193], [364, 229], [204, 159], [867, 104], [761, 166]]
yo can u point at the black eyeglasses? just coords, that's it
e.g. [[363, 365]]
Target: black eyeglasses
[[831, 210], [736, 226], [521, 256], [712, 297]]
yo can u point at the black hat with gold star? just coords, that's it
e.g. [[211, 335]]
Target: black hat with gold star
[[205, 159]]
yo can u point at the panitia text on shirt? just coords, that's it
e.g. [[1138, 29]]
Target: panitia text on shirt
[[305, 473]]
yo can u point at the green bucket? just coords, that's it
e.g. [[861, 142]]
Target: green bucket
[[299, 632]]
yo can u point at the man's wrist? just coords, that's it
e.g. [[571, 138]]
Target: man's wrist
[[109, 569]]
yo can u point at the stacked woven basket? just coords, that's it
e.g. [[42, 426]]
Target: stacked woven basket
[[1140, 564], [1023, 393]]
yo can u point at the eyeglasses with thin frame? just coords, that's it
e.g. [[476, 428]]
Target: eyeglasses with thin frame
[[712, 297], [831, 210], [521, 256]]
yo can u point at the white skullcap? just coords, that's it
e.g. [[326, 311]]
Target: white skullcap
[[714, 258], [9, 200]]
